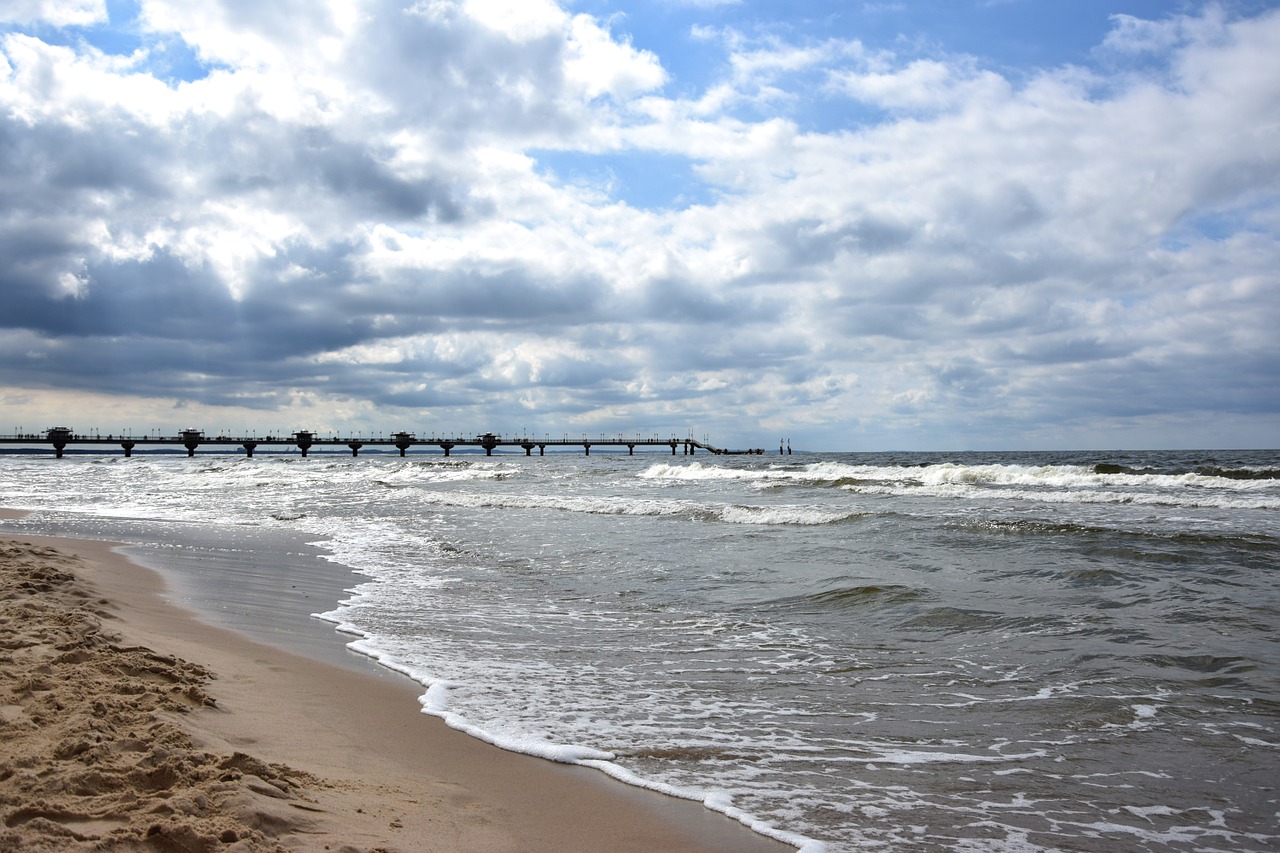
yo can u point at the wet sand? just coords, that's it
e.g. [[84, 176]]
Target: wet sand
[[130, 724]]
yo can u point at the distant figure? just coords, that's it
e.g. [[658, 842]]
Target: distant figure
[[788, 447]]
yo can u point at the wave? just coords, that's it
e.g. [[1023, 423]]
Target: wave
[[727, 513], [852, 597], [817, 473], [1202, 471], [1115, 536], [1232, 488], [1033, 527], [1073, 484], [417, 473], [737, 514]]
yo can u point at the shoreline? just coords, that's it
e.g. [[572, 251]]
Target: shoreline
[[376, 772]]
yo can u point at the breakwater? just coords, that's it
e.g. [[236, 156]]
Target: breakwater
[[59, 438]]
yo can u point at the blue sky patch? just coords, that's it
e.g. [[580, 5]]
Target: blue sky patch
[[644, 180]]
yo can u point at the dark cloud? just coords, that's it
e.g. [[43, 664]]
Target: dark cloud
[[815, 242]]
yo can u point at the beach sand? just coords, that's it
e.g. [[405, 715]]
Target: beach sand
[[126, 723]]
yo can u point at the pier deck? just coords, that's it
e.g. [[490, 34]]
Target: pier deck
[[59, 438]]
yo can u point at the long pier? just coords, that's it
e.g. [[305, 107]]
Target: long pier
[[192, 439]]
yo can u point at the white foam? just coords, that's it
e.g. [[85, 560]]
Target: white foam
[[905, 756], [435, 702], [736, 514]]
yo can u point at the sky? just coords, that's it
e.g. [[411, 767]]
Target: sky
[[933, 225]]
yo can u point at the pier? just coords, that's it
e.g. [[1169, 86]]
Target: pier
[[60, 438]]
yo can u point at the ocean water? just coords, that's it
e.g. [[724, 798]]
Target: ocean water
[[966, 651]]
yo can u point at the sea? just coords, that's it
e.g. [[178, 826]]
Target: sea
[[1049, 651]]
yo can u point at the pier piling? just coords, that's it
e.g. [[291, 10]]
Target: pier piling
[[304, 440], [404, 440], [191, 440], [59, 436]]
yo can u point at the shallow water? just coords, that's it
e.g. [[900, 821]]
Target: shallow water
[[873, 651]]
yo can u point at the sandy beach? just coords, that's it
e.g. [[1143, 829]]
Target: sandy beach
[[129, 724]]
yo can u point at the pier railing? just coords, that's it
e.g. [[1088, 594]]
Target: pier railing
[[59, 438]]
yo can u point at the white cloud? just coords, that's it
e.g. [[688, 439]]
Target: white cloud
[[704, 4], [924, 84], [519, 20], [1133, 35], [58, 13], [598, 65]]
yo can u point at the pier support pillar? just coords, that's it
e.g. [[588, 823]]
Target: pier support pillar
[[355, 448], [586, 445], [304, 441], [528, 449], [673, 448], [249, 447], [58, 437], [446, 447], [404, 440], [191, 439], [631, 450], [128, 448], [542, 450], [488, 441]]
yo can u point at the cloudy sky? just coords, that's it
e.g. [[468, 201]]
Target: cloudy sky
[[922, 224]]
